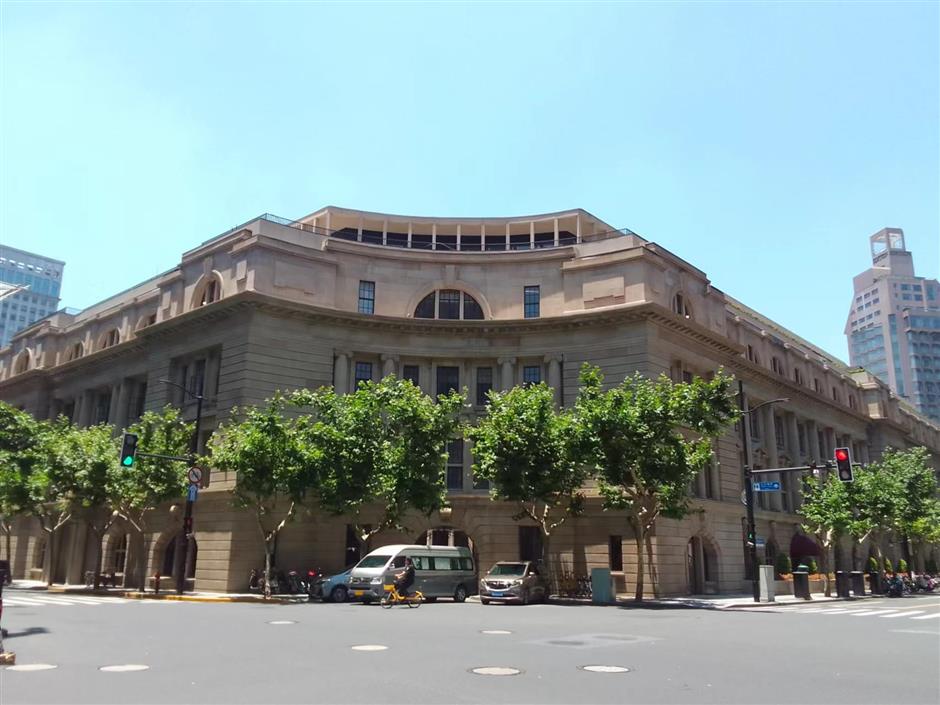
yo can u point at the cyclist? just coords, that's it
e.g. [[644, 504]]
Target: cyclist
[[405, 579]]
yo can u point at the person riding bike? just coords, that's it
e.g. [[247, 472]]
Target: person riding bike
[[405, 579]]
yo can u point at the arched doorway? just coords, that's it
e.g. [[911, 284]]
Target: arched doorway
[[168, 558], [448, 536], [701, 566]]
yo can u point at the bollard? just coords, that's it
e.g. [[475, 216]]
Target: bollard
[[156, 583], [801, 584], [858, 583], [842, 583], [874, 583]]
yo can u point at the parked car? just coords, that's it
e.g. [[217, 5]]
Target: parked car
[[440, 571], [332, 588], [514, 581]]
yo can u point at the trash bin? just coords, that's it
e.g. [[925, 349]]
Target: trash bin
[[801, 584], [842, 583], [858, 583], [602, 586], [874, 583]]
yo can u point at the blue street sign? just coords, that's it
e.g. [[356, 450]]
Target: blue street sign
[[767, 486], [760, 543], [193, 491]]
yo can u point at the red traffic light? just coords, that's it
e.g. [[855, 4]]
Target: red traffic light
[[842, 454]]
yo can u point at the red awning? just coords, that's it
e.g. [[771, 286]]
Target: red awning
[[802, 545]]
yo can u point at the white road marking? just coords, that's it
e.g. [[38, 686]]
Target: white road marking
[[605, 669], [496, 671], [124, 668], [928, 616], [21, 601], [836, 612], [901, 614], [31, 667], [868, 613], [369, 647]]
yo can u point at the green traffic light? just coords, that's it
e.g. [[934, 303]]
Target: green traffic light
[[128, 461]]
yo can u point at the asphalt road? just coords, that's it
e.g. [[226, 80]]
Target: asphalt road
[[232, 653]]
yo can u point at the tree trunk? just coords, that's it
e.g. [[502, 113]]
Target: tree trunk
[[268, 553], [99, 540], [654, 573], [546, 559], [824, 564], [51, 544], [639, 537]]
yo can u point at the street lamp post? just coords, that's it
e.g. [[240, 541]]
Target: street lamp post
[[182, 545], [748, 487]]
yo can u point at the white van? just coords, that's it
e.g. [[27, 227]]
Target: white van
[[440, 571]]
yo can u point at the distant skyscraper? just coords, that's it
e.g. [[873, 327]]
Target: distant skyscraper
[[894, 323], [29, 290]]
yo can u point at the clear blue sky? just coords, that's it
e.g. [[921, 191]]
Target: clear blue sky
[[761, 142]]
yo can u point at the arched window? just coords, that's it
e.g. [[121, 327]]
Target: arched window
[[680, 305], [449, 304], [75, 351], [148, 319], [777, 365], [111, 338], [211, 293], [22, 362]]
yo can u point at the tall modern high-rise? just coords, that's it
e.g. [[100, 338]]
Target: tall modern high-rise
[[29, 289], [894, 323]]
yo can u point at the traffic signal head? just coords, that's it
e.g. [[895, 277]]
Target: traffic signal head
[[128, 449], [844, 464]]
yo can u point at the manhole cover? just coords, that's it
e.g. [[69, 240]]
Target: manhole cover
[[564, 642], [31, 667], [495, 631], [124, 668], [283, 621], [605, 669], [496, 671], [369, 647]]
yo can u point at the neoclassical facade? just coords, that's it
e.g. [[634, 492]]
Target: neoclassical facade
[[478, 303]]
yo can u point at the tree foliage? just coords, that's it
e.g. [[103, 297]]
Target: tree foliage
[[384, 444], [529, 452], [647, 439], [827, 514]]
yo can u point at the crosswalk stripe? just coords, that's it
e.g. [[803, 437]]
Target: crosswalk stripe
[[836, 612], [902, 614], [61, 601], [928, 616], [21, 601], [867, 613]]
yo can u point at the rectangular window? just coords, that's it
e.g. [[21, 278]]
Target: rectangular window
[[448, 379], [197, 382], [615, 552], [531, 374], [778, 431], [448, 304], [363, 373], [412, 374], [484, 383], [367, 297], [755, 425], [530, 543], [801, 437], [531, 299], [455, 464]]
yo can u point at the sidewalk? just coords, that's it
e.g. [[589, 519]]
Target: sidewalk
[[168, 594]]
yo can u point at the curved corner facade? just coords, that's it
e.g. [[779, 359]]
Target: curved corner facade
[[341, 296]]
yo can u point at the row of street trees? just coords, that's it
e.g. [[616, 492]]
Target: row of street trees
[[385, 446], [379, 454], [54, 471], [893, 497]]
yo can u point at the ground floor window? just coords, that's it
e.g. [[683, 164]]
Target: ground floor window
[[615, 553], [530, 543]]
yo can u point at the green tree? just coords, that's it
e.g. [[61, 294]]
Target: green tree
[[18, 438], [827, 514], [876, 496], [97, 476], [647, 439], [528, 451], [273, 472], [138, 491], [384, 444], [919, 506]]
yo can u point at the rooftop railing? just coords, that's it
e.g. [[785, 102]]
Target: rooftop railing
[[447, 242]]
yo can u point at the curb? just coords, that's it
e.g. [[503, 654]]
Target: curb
[[136, 595]]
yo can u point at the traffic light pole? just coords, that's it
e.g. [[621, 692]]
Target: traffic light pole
[[751, 530]]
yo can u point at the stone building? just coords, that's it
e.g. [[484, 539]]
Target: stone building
[[341, 296]]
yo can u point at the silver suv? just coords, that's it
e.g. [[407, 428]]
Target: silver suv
[[514, 581]]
